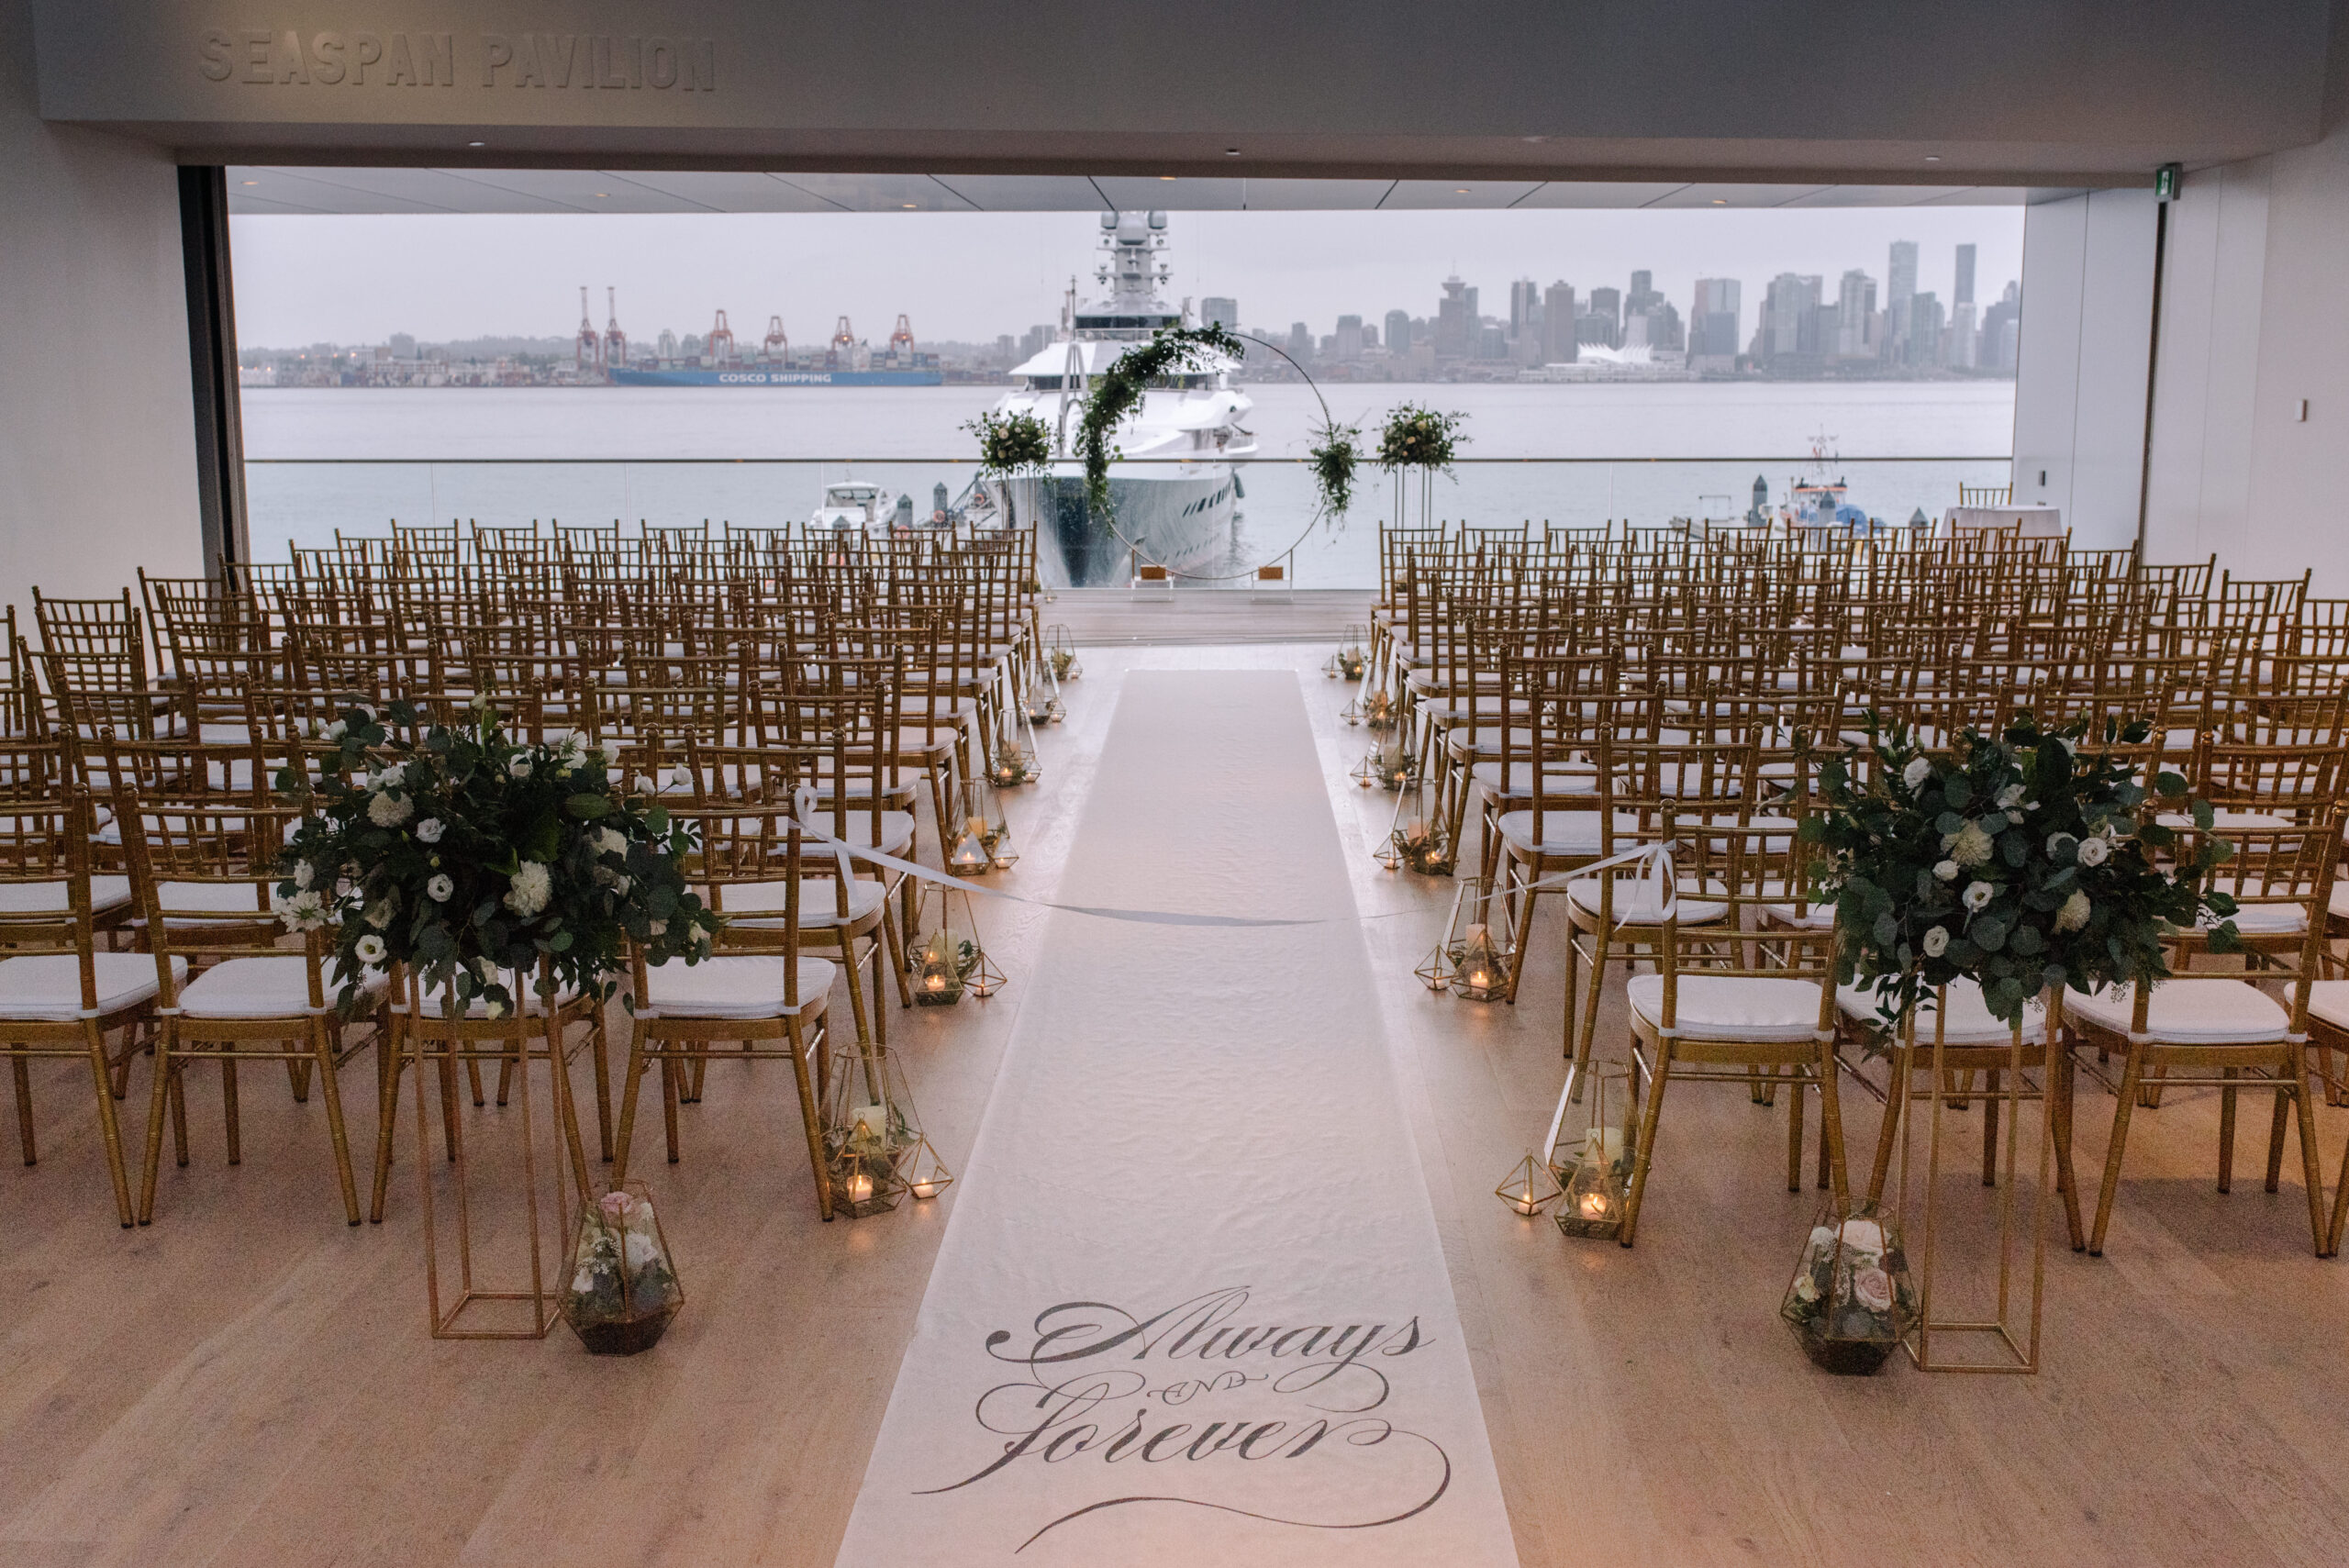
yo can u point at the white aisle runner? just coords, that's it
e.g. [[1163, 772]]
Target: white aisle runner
[[1190, 1307]]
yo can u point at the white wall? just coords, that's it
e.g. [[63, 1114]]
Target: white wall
[[2254, 318], [2088, 292], [97, 426]]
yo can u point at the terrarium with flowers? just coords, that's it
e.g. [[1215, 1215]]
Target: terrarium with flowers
[[463, 855], [1850, 1302], [623, 1289]]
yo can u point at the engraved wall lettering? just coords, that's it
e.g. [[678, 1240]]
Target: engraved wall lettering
[[701, 64], [326, 58], [497, 49], [660, 63], [615, 60], [366, 50], [257, 49], [399, 65], [285, 59], [436, 54], [527, 73], [211, 55], [556, 50], [635, 62]]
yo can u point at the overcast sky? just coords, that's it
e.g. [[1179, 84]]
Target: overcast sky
[[972, 275]]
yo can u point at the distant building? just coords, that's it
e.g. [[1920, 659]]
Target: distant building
[[1788, 306], [1642, 297], [1899, 288], [1216, 311], [1925, 324], [1856, 318], [1491, 341], [1607, 306], [1558, 344], [1456, 320], [1713, 326], [1300, 342], [1524, 308], [1346, 342], [2000, 332], [1963, 294], [1399, 331]]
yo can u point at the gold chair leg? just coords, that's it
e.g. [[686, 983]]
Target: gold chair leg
[[158, 1094], [1836, 1176], [2133, 1078], [2227, 1132], [2312, 1175], [2276, 1121], [322, 1048], [810, 1119], [1644, 1155], [107, 1123], [631, 1080], [228, 1103], [2062, 1078], [1795, 1103], [672, 1074], [24, 1082]]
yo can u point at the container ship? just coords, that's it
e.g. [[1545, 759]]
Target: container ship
[[846, 362], [751, 376]]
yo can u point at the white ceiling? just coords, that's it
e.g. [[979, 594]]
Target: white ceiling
[[264, 189]]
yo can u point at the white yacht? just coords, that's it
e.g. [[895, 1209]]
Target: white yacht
[[854, 507], [1176, 510]]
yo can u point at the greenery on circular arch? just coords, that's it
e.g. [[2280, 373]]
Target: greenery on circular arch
[[1119, 391], [1335, 451]]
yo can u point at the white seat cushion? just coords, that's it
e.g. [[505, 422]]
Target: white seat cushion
[[2187, 1012], [1967, 1022], [2329, 1000], [819, 903], [2259, 919], [197, 899], [1732, 1008], [524, 989], [743, 988], [1563, 832], [262, 988], [895, 834], [1638, 900], [49, 897], [1561, 779], [2222, 820], [47, 987]]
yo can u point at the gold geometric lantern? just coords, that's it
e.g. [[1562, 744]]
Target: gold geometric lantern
[[869, 1124], [1529, 1188], [1479, 944], [1060, 653], [981, 840], [1419, 837], [923, 1173], [1594, 1163], [1014, 761], [1349, 661], [946, 957], [1389, 764]]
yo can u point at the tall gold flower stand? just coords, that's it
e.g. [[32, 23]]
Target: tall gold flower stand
[[516, 1296], [2007, 1339]]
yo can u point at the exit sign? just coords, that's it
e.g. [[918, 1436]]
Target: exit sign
[[2165, 180]]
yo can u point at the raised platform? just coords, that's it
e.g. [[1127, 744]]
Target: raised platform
[[1157, 614]]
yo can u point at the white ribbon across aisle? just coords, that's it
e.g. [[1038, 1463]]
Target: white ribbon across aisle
[[1190, 1306]]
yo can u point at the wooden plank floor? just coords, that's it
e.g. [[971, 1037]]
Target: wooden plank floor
[[249, 1380]]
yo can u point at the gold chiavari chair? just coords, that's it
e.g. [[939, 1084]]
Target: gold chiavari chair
[[760, 993], [60, 993], [2224, 1032]]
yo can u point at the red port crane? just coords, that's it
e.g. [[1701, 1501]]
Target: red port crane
[[591, 346], [718, 347], [777, 347], [615, 340], [901, 341]]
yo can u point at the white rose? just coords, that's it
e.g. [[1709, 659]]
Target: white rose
[[1979, 895], [1872, 1288], [520, 767], [610, 842], [2094, 851], [440, 888], [1946, 871], [532, 885], [391, 776], [365, 711], [620, 884], [390, 810], [1863, 1235], [2010, 797], [1806, 1287], [2073, 915], [303, 874], [1937, 942], [1918, 770], [656, 928], [369, 949], [428, 831], [336, 730], [611, 751]]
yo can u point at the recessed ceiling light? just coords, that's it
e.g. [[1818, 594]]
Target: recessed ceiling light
[[477, 144], [1459, 189], [1932, 157], [1167, 177], [1231, 152], [249, 182], [1721, 201], [603, 195], [908, 206]]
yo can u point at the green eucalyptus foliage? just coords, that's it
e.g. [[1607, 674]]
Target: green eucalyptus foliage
[[2021, 861], [1011, 444], [1117, 392], [1335, 451], [1421, 438]]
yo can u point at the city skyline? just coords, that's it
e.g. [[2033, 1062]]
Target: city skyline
[[974, 277]]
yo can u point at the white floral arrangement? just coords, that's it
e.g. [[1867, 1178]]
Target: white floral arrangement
[[468, 857]]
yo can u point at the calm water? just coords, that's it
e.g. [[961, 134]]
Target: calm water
[[509, 455]]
